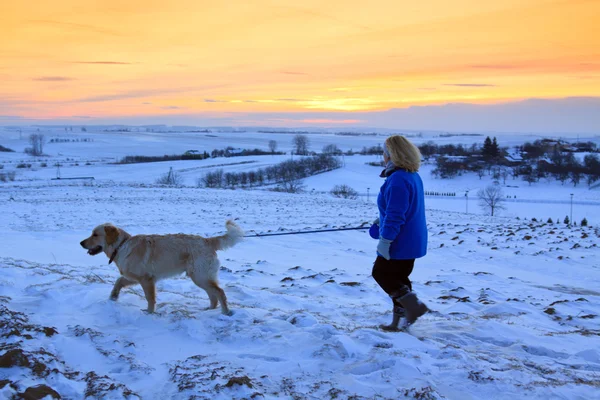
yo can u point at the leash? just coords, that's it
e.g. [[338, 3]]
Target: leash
[[306, 232]]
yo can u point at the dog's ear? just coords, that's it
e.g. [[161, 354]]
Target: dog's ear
[[112, 234]]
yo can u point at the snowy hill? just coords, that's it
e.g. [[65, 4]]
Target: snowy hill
[[515, 303]]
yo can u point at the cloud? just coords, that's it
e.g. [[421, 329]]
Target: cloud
[[53, 79], [293, 73], [146, 102], [469, 84], [62, 24], [556, 117], [214, 101], [330, 121], [250, 101], [546, 116], [328, 17], [143, 93], [81, 116], [172, 108], [495, 66], [103, 62], [11, 117], [292, 100]]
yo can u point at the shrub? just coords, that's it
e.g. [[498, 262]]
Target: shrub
[[566, 221], [344, 191], [6, 149], [7, 176], [212, 179], [584, 222], [43, 165], [23, 165], [550, 221]]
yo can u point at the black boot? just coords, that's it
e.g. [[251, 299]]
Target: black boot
[[397, 315], [413, 306]]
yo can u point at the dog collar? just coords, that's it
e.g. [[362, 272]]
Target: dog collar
[[114, 254]]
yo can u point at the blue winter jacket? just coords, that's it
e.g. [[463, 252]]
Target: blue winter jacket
[[401, 203]]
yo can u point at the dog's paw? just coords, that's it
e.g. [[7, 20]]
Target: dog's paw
[[113, 297], [229, 313]]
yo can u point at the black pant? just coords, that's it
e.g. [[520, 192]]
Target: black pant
[[392, 276]]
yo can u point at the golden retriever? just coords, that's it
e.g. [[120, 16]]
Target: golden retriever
[[145, 259]]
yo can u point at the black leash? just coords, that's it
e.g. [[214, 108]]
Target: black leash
[[303, 232]]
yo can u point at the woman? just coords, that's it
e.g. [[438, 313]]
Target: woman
[[402, 229]]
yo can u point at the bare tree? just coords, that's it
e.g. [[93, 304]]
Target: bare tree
[[301, 144], [491, 199], [505, 174], [272, 145], [37, 144], [480, 173], [332, 149], [212, 179]]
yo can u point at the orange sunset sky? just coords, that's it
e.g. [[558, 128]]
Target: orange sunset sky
[[328, 60]]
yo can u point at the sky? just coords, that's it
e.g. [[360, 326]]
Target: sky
[[297, 63]]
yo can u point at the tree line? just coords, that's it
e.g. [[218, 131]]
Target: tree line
[[544, 158], [287, 174]]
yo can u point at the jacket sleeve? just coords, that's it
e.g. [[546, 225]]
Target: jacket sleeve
[[396, 200]]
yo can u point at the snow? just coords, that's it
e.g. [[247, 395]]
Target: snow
[[515, 303]]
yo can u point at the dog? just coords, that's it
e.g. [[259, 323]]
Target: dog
[[146, 259]]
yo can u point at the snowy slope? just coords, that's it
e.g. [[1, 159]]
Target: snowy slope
[[516, 303]]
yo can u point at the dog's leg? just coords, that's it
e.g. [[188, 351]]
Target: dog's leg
[[149, 287], [215, 293], [220, 294], [212, 295], [121, 283]]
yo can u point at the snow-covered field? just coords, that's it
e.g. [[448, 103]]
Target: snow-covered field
[[516, 303]]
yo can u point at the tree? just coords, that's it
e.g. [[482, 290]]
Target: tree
[[428, 149], [272, 145], [486, 152], [504, 173], [344, 191], [566, 220], [212, 179], [491, 199], [480, 173], [301, 144], [496, 174], [530, 176], [446, 168], [575, 177], [37, 144], [584, 222], [332, 149], [515, 172], [495, 149]]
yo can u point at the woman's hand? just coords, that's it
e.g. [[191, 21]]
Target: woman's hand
[[383, 248]]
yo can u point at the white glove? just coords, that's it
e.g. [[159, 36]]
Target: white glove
[[383, 248]]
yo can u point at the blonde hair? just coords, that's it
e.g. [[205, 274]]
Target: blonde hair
[[403, 153]]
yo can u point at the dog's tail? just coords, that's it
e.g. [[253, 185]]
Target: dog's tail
[[234, 235]]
